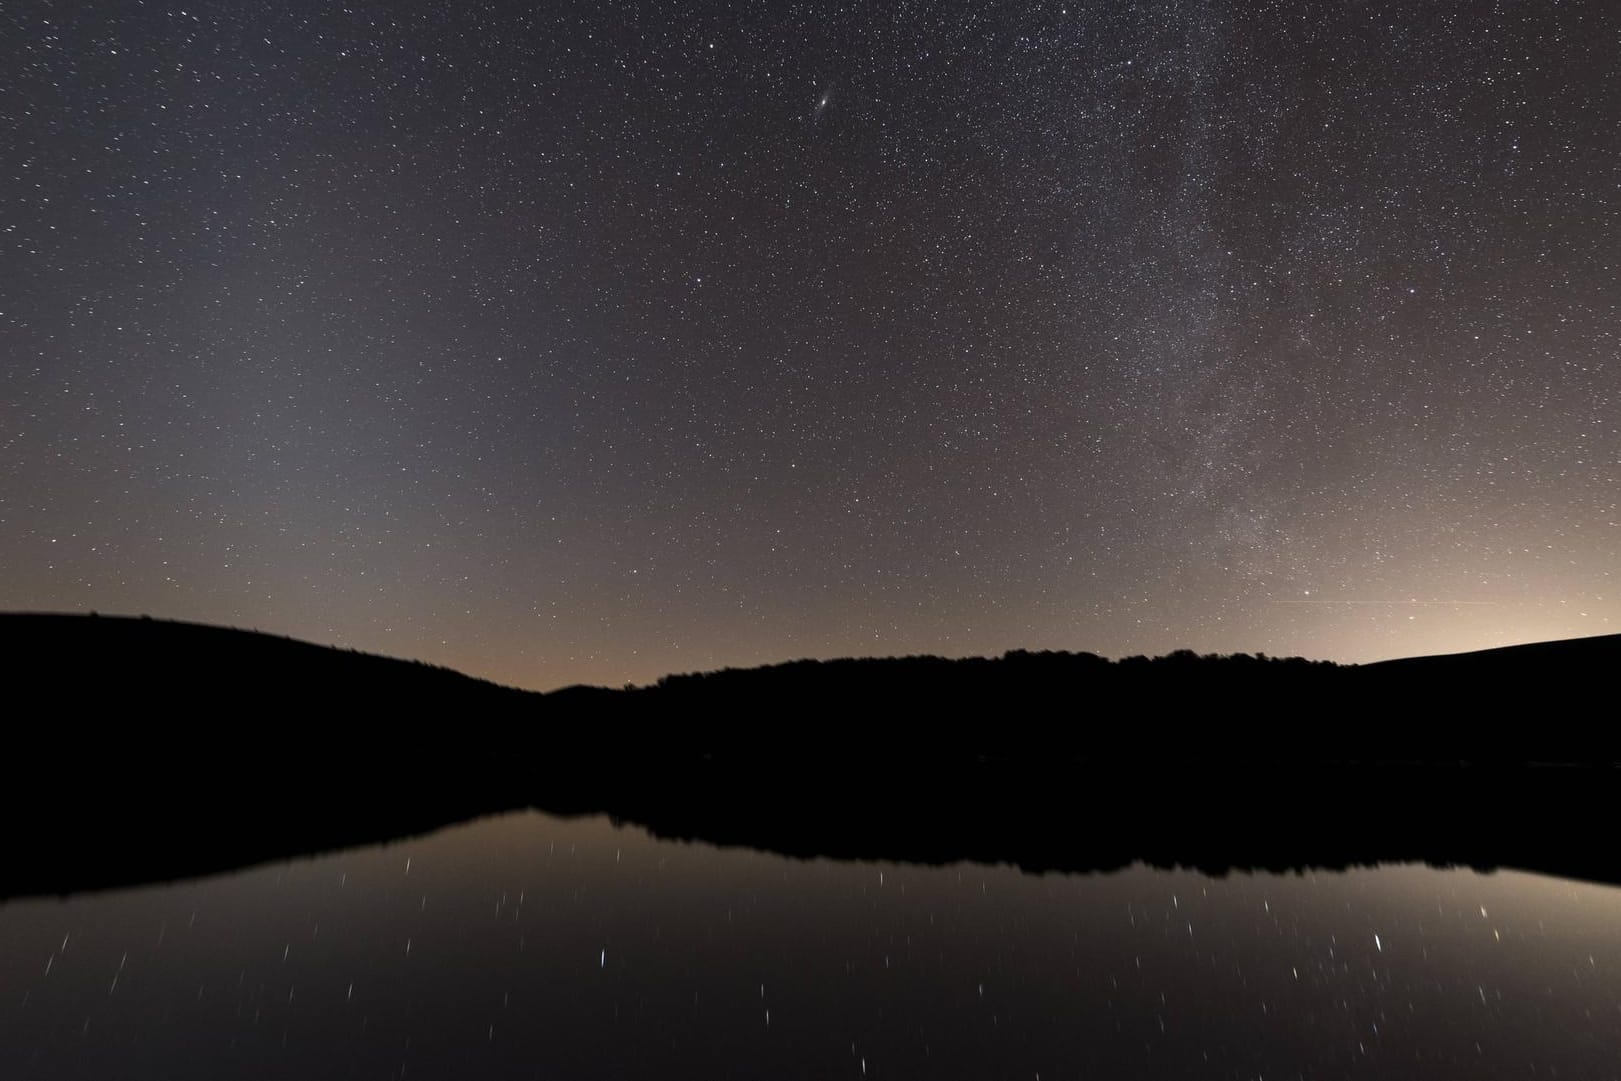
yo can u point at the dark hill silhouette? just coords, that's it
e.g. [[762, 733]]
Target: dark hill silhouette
[[147, 749], [196, 669]]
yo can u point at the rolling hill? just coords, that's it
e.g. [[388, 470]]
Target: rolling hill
[[147, 749]]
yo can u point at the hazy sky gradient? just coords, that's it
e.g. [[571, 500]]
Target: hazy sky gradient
[[590, 341]]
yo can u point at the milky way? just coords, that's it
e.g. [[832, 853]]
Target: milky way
[[590, 341]]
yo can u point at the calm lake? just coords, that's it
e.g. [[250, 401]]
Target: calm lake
[[528, 946]]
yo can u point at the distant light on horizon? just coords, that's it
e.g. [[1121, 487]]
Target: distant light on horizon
[[558, 349]]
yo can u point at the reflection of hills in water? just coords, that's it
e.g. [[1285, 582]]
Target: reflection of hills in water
[[162, 749], [527, 946]]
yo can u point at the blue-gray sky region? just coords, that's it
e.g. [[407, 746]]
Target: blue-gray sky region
[[591, 341]]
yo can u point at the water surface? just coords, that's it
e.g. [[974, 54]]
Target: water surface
[[528, 946]]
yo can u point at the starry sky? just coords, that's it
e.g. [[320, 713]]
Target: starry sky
[[588, 341]]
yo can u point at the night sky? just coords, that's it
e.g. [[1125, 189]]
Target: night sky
[[586, 341]]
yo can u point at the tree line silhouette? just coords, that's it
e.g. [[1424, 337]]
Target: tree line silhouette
[[144, 749]]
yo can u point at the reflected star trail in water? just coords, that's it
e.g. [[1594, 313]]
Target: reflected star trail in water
[[488, 961]]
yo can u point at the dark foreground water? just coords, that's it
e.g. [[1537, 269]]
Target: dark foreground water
[[533, 947]]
